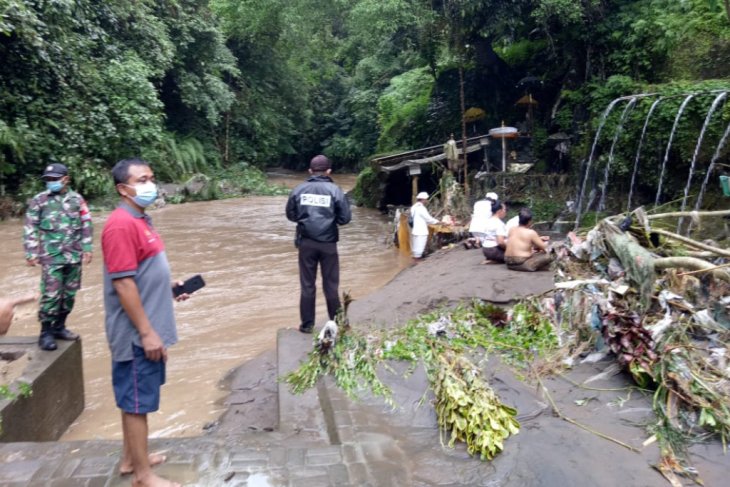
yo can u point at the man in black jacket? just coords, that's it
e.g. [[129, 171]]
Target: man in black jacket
[[318, 206]]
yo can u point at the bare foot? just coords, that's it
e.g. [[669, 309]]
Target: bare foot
[[152, 480], [125, 468], [486, 261]]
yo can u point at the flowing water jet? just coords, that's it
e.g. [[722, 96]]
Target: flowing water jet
[[669, 145], [711, 167], [718, 99], [627, 109], [638, 150], [604, 116]]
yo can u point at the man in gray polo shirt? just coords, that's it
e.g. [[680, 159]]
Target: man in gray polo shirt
[[140, 322]]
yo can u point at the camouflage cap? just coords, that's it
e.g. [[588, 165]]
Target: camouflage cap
[[54, 170]]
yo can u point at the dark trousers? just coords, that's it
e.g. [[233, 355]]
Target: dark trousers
[[311, 254]]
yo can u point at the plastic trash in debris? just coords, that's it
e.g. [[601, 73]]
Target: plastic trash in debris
[[667, 299], [594, 357], [615, 269], [580, 282], [438, 328], [704, 318], [658, 328], [327, 337]]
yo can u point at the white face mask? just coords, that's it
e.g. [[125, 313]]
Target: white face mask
[[146, 193]]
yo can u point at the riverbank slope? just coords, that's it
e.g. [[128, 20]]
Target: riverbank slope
[[548, 450]]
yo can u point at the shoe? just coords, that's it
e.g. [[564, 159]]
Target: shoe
[[64, 334], [46, 341], [306, 329]]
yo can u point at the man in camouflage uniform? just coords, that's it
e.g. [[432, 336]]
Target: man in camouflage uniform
[[57, 235]]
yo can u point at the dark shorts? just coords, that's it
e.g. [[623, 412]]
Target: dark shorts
[[495, 254], [137, 383], [533, 263]]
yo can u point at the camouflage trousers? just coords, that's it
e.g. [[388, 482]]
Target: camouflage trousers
[[59, 284]]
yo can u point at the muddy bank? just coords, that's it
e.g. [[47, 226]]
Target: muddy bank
[[548, 450]]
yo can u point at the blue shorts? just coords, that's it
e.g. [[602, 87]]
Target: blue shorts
[[137, 383]]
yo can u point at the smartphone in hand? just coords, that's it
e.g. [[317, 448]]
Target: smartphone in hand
[[189, 286]]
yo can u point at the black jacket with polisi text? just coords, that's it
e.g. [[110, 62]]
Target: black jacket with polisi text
[[318, 206]]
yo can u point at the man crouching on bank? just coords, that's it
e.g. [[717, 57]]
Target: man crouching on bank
[[140, 322]]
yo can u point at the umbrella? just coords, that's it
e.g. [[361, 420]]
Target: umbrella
[[473, 114], [526, 100]]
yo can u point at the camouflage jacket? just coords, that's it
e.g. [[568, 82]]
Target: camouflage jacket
[[57, 228]]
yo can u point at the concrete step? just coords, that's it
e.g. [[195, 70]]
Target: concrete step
[[301, 414]]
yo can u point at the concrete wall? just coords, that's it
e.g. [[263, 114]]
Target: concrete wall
[[57, 399]]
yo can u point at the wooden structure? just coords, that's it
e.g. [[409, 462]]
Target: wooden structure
[[414, 161]]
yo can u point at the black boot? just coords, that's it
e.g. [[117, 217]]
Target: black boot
[[46, 341], [60, 332]]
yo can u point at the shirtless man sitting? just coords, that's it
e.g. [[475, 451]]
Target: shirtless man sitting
[[526, 250]]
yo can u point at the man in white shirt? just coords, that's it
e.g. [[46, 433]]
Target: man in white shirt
[[480, 215], [421, 219], [512, 223], [495, 234]]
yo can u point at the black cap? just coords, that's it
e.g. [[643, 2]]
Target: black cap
[[320, 163], [54, 170]]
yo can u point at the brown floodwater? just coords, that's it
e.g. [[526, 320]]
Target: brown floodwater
[[244, 249]]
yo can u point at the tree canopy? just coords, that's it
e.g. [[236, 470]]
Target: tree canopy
[[199, 85]]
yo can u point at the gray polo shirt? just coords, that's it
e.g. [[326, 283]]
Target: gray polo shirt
[[132, 248]]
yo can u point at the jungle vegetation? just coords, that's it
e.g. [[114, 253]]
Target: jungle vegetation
[[203, 86]]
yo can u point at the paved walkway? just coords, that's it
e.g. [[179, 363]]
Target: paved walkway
[[325, 439]]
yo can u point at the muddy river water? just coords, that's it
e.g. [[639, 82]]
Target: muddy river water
[[244, 249]]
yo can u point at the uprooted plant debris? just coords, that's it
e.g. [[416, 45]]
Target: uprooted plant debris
[[657, 301], [660, 303], [446, 343]]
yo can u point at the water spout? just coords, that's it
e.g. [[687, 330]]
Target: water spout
[[638, 150], [669, 146], [604, 116], [718, 99], [711, 167], [627, 109]]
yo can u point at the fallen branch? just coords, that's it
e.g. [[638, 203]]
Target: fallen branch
[[688, 213], [693, 243], [704, 270], [691, 263], [580, 425]]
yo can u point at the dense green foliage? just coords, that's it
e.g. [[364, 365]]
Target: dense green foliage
[[201, 86]]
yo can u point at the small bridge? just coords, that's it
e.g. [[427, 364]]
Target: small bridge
[[426, 155]]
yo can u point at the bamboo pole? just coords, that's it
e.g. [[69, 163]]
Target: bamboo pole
[[692, 243], [688, 213], [698, 271]]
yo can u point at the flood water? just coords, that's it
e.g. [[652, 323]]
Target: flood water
[[244, 250]]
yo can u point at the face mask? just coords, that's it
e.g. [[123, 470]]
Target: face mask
[[146, 194], [54, 186]]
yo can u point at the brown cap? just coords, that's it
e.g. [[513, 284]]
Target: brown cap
[[320, 163]]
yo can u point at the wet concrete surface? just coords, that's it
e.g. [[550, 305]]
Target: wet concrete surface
[[244, 249], [375, 445]]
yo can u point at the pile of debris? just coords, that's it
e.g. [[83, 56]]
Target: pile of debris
[[660, 302]]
